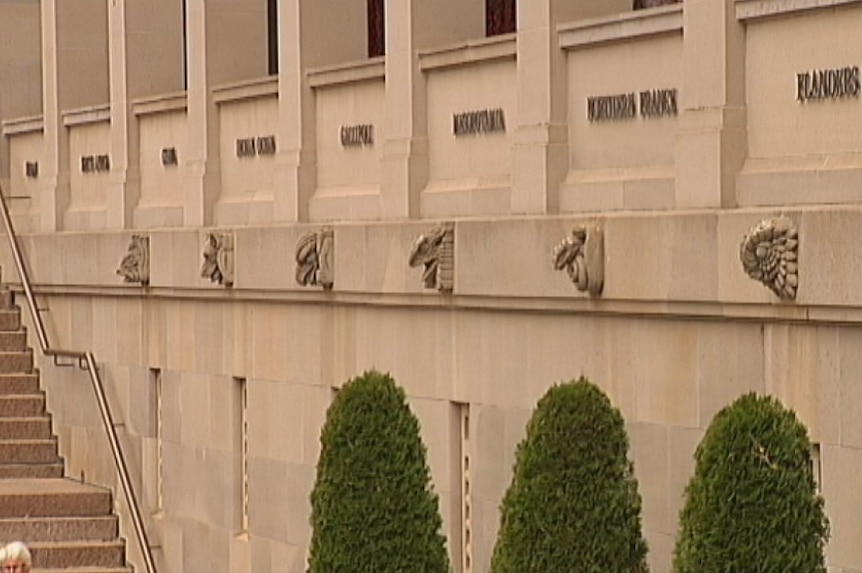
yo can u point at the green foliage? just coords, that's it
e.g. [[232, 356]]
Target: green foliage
[[373, 509], [752, 504], [573, 504]]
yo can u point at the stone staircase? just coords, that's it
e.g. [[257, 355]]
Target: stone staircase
[[69, 526]]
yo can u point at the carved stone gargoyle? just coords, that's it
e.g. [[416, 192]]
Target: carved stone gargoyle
[[436, 252], [314, 259], [218, 258], [769, 254], [583, 257], [135, 266]]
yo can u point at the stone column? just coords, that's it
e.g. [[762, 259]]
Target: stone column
[[540, 156], [74, 48], [202, 182], [405, 151], [55, 168], [296, 164], [711, 143], [124, 188]]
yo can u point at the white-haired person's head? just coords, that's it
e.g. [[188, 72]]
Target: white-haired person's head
[[15, 558]]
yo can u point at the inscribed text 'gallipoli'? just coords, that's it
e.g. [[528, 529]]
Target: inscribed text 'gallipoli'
[[652, 103], [828, 84], [476, 122]]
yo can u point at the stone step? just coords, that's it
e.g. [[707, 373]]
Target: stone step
[[66, 554], [10, 319], [52, 498], [7, 299], [19, 384], [29, 428], [13, 340], [22, 405], [35, 471], [30, 529], [16, 362], [28, 451]]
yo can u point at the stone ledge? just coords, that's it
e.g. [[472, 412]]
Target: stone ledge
[[353, 72], [250, 89], [23, 125], [622, 27], [761, 9], [160, 104], [87, 115], [503, 47]]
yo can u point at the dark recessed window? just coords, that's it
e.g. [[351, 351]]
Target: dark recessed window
[[272, 36], [185, 49], [376, 29], [500, 17]]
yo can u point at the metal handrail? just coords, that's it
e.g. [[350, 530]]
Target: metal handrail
[[86, 361]]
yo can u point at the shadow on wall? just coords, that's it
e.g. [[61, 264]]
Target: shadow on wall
[[641, 4]]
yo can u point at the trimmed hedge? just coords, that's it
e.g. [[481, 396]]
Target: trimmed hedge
[[573, 504], [373, 508], [752, 504]]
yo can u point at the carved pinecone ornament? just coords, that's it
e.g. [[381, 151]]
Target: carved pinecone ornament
[[769, 255]]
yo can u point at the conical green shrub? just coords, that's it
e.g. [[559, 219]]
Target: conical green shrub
[[752, 504], [372, 507], [573, 504]]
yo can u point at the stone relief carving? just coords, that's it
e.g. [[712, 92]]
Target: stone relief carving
[[314, 259], [135, 266], [436, 252], [769, 255], [218, 258], [583, 257]]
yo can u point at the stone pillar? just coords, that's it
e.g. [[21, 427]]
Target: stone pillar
[[405, 151], [711, 143], [55, 168], [74, 46], [203, 182], [296, 164], [540, 155], [124, 188]]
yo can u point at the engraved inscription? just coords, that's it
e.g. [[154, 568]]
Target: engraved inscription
[[103, 163], [266, 145], [245, 147], [88, 164], [31, 169], [169, 156], [95, 163], [611, 107], [355, 135], [818, 85], [478, 122], [658, 103]]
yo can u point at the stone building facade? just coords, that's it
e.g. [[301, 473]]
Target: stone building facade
[[237, 209]]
